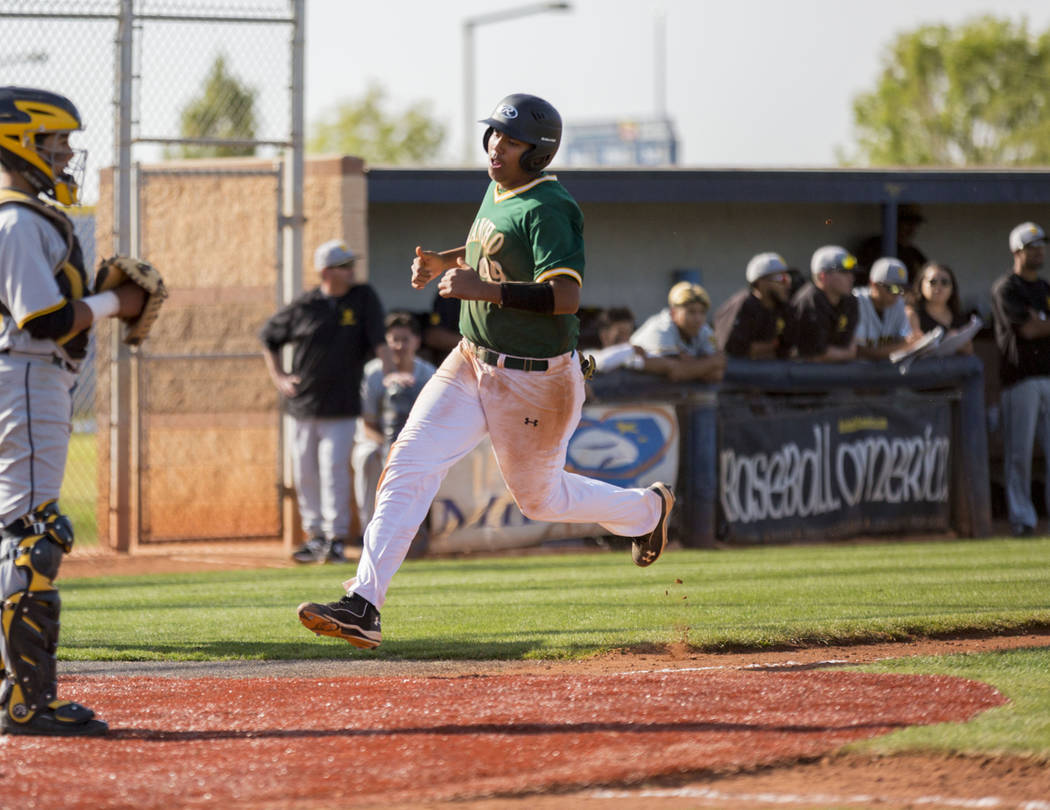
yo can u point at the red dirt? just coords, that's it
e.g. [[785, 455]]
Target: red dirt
[[262, 741], [670, 729]]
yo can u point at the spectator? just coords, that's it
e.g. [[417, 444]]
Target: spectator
[[333, 328], [1020, 306], [612, 330], [935, 294], [882, 317], [680, 336], [753, 323], [615, 326], [386, 399], [825, 313], [441, 330], [909, 218]]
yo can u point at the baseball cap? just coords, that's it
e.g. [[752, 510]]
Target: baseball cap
[[1025, 234], [831, 258], [333, 253], [765, 264], [685, 292], [890, 272]]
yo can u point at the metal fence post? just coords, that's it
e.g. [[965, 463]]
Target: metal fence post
[[120, 422], [292, 244]]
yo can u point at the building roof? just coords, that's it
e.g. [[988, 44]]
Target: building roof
[[875, 186]]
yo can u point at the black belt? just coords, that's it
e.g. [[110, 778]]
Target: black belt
[[53, 359], [491, 358]]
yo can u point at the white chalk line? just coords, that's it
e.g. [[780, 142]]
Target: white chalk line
[[816, 799], [716, 667]]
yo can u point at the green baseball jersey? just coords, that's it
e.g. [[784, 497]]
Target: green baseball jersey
[[531, 233]]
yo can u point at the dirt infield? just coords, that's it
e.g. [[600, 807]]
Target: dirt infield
[[301, 742], [665, 729]]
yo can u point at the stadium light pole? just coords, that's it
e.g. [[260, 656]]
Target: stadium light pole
[[469, 24]]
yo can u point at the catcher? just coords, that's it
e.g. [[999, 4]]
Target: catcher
[[47, 312]]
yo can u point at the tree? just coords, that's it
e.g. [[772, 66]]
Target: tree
[[363, 128], [225, 109], [976, 95]]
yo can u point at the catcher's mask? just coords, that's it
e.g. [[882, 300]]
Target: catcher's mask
[[528, 119], [27, 116]]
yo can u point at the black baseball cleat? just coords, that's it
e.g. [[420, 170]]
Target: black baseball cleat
[[310, 551], [319, 550], [646, 550], [61, 718], [353, 618]]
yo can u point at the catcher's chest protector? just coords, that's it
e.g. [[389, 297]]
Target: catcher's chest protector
[[70, 273]]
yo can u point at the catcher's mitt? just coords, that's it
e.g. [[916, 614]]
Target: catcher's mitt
[[118, 269]]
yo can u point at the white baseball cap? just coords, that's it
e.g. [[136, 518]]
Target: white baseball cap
[[1025, 234], [831, 258], [891, 272], [765, 264], [333, 253]]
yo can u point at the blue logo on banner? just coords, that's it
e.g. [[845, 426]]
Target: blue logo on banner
[[620, 447]]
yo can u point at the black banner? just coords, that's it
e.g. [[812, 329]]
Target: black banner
[[835, 472]]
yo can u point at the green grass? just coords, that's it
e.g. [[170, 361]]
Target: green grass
[[80, 488], [1020, 728], [567, 606]]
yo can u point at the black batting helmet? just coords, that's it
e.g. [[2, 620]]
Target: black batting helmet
[[528, 119]]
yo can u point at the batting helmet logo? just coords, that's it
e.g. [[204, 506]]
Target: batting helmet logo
[[508, 112]]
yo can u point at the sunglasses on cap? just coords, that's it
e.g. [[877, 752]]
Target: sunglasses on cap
[[896, 289]]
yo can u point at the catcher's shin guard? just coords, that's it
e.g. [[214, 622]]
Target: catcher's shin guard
[[30, 554]]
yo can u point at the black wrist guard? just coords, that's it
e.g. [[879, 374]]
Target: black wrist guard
[[533, 297]]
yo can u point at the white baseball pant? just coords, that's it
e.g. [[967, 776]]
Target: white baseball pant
[[35, 411], [529, 417]]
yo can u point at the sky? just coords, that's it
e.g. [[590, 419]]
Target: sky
[[763, 83], [747, 83]]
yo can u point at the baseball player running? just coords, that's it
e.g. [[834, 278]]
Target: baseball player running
[[515, 375], [43, 338]]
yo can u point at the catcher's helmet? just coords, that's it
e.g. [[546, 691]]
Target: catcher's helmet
[[528, 119], [26, 114]]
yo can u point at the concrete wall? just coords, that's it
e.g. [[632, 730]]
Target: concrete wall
[[209, 455]]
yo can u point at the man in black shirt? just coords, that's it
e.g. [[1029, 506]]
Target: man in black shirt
[[753, 323], [1020, 305], [825, 310], [909, 218], [334, 329]]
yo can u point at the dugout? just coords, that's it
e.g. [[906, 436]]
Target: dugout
[[785, 451]]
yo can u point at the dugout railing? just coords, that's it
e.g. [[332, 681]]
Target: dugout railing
[[908, 451]]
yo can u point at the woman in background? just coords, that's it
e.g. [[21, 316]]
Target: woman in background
[[937, 303]]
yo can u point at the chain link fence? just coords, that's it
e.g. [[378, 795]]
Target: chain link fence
[[186, 79]]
